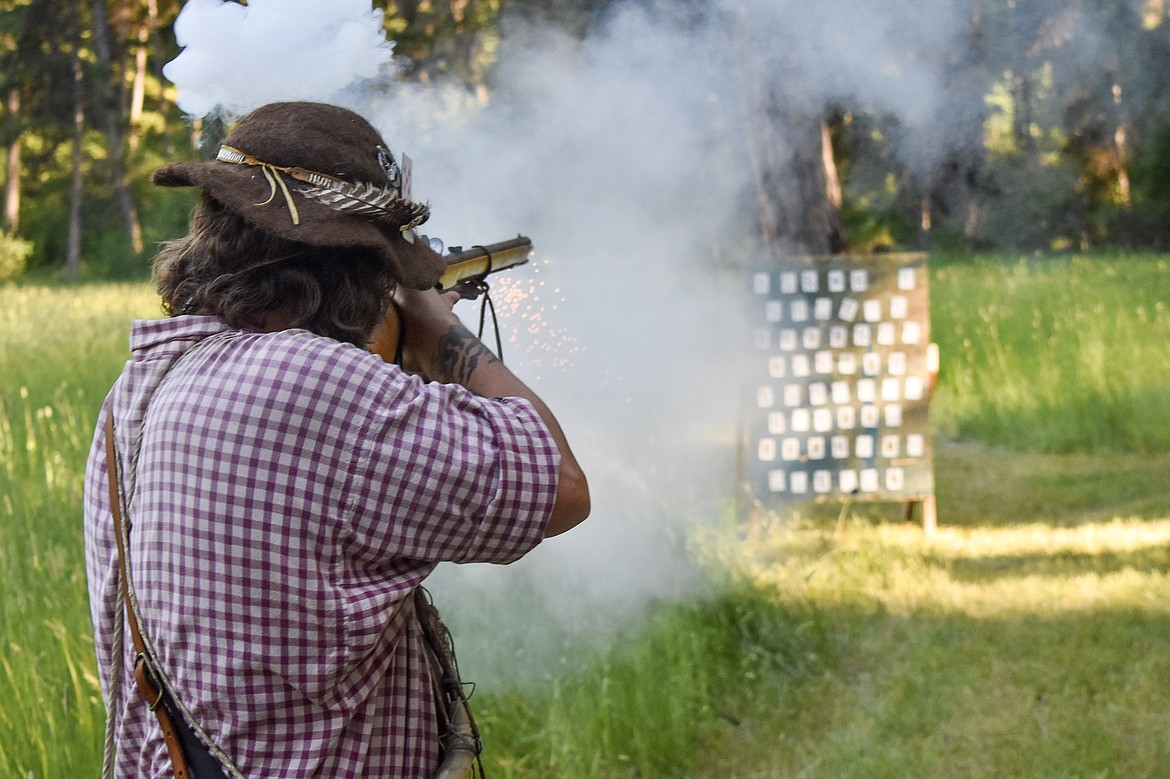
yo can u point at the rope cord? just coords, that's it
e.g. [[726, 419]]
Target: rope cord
[[486, 305], [482, 287], [115, 670], [489, 257]]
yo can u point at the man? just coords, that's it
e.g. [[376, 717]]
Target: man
[[286, 490]]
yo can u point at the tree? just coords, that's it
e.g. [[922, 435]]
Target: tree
[[1058, 80], [110, 114], [47, 64], [12, 168], [76, 191], [1058, 136], [12, 15], [798, 190], [143, 34], [456, 38]]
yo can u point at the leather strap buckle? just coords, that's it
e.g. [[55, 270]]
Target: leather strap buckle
[[148, 688]]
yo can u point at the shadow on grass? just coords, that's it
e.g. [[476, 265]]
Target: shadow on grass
[[1027, 639], [925, 696], [1063, 564], [979, 485]]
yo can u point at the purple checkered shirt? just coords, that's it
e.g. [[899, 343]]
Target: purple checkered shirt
[[287, 494]]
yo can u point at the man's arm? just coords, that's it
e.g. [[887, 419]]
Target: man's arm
[[436, 345]]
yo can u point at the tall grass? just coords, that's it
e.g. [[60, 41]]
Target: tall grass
[[1055, 354], [60, 350], [662, 703], [638, 710]]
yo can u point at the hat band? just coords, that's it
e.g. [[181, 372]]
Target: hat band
[[340, 195]]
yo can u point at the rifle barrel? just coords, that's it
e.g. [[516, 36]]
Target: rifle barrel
[[478, 261]]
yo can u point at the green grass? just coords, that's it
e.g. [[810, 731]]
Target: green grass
[[1021, 651], [693, 676], [1011, 643], [1024, 639], [60, 349], [1055, 354]]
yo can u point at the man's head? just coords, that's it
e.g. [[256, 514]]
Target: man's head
[[300, 193]]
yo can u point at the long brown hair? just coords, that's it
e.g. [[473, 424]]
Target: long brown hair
[[243, 275]]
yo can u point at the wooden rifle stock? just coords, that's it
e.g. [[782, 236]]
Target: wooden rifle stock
[[463, 266]]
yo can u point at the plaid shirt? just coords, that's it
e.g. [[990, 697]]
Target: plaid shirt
[[287, 494]]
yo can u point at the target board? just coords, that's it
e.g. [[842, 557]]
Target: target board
[[842, 379]]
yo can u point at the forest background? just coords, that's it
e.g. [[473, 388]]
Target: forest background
[[1051, 130]]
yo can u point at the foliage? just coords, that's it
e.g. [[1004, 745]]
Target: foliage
[[1151, 182], [1061, 138], [1033, 205], [879, 193], [14, 253], [455, 38]]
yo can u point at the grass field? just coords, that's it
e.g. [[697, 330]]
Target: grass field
[[1025, 639], [1011, 651], [60, 349], [1055, 354]]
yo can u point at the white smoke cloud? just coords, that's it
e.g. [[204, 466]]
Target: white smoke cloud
[[624, 157], [619, 157], [237, 58]]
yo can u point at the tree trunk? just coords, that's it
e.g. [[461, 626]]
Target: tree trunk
[[832, 179], [12, 180], [797, 188], [798, 192], [138, 89], [110, 120], [76, 191]]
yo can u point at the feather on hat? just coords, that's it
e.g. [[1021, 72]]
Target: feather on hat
[[321, 175]]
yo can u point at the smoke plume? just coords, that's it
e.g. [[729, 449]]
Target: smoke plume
[[623, 156], [236, 58]]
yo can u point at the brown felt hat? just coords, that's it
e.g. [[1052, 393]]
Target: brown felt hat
[[321, 175]]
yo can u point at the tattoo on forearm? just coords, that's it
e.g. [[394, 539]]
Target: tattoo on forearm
[[460, 354]]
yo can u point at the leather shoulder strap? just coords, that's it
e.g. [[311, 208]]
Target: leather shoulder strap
[[148, 690]]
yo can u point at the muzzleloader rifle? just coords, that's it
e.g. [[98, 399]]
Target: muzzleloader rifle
[[467, 269]]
